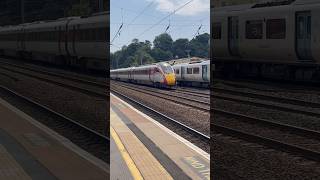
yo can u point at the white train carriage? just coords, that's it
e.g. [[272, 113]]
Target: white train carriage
[[11, 40], [88, 36], [276, 39], [195, 74], [87, 40], [75, 41], [45, 40], [123, 74]]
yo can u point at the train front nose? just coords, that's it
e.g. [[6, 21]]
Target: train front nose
[[171, 79]]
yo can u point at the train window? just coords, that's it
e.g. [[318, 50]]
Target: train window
[[85, 35], [276, 29], [254, 29], [80, 35], [91, 34], [196, 70], [189, 70], [102, 35], [177, 71], [309, 27], [216, 30]]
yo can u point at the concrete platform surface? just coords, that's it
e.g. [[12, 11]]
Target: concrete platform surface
[[30, 150], [152, 151]]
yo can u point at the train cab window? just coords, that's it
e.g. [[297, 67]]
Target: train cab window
[[189, 70], [156, 70], [166, 68], [177, 71], [196, 70], [216, 30], [254, 29], [276, 29]]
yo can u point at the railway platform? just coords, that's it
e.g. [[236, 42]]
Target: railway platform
[[31, 151], [142, 148]]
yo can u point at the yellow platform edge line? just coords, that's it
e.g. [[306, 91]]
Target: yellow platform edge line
[[125, 155]]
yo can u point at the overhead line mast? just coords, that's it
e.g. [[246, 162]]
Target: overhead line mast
[[164, 18], [134, 19]]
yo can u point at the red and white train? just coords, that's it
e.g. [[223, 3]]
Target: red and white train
[[159, 75]]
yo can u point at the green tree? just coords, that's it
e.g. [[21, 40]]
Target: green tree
[[164, 49], [199, 46], [179, 48], [163, 42], [161, 55]]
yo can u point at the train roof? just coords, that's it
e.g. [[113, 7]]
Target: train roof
[[46, 24], [10, 28], [302, 2], [97, 17], [264, 5], [193, 63], [138, 67]]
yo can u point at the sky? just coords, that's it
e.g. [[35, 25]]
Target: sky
[[141, 19]]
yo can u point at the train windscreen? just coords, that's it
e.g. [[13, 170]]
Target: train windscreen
[[167, 69]]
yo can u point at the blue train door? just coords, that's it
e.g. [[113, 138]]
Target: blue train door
[[303, 36], [233, 35], [205, 72]]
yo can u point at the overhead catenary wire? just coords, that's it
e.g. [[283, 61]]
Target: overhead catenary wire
[[164, 18], [188, 43], [168, 26], [119, 29], [171, 24], [143, 11], [198, 31], [137, 12], [134, 19]]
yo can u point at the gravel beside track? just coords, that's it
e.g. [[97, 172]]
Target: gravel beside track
[[76, 84], [201, 103], [89, 140], [235, 159], [85, 109], [59, 71], [298, 92], [192, 90], [272, 104]]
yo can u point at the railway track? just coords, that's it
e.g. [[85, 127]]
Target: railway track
[[200, 92], [90, 140], [268, 97], [58, 74], [76, 84], [284, 137], [191, 133], [192, 93], [265, 103], [273, 143], [190, 102]]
